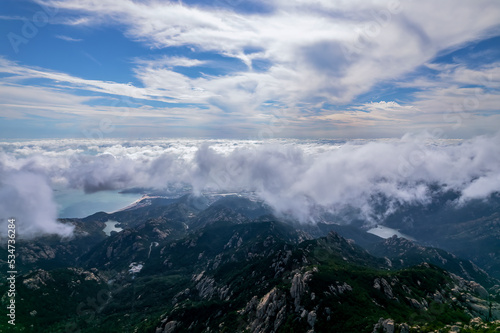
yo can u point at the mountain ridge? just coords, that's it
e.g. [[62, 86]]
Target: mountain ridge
[[234, 267]]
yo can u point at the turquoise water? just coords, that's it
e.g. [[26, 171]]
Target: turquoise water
[[75, 203]]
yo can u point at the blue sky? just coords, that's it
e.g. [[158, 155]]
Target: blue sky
[[248, 69]]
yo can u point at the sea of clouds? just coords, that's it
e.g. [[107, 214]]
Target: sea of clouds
[[295, 177]]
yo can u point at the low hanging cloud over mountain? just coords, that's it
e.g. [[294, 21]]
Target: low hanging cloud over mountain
[[27, 197], [294, 177]]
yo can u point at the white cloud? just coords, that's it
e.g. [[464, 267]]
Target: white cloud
[[11, 18], [295, 177], [68, 38], [21, 102], [316, 54], [170, 62], [28, 198], [387, 38], [163, 84], [372, 114], [461, 95]]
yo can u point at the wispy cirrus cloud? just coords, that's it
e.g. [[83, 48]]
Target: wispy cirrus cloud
[[68, 38], [11, 18], [310, 41], [167, 61], [18, 73]]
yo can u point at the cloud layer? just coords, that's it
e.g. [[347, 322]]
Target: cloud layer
[[295, 177]]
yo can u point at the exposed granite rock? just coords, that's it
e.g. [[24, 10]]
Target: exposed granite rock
[[382, 285], [208, 288], [311, 318], [39, 279], [268, 313], [387, 326], [298, 288], [170, 327], [473, 295]]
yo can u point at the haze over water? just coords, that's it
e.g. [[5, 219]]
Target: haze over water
[[76, 203]]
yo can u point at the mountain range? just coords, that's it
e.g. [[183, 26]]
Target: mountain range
[[229, 264]]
